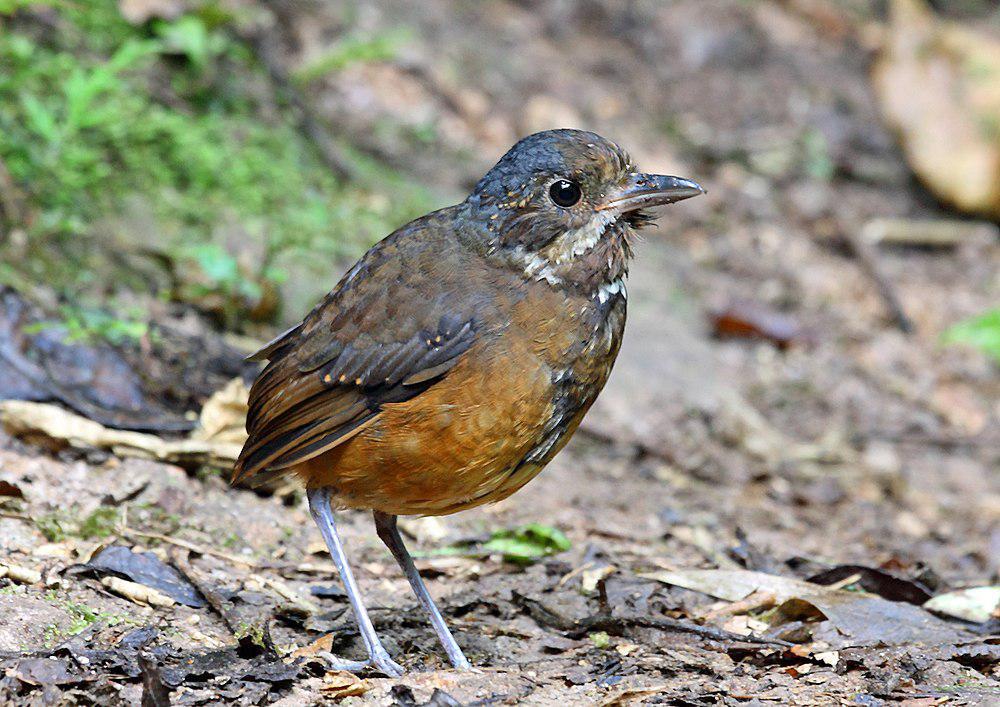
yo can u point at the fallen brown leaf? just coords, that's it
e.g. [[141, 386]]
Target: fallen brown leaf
[[341, 684], [938, 83]]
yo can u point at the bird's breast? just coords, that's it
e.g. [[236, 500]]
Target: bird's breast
[[494, 421]]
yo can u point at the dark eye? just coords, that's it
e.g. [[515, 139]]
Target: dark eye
[[564, 192]]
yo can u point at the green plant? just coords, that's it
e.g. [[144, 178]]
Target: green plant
[[87, 325], [982, 332], [168, 140], [600, 639], [527, 543], [524, 544]]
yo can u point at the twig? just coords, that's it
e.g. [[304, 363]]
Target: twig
[[545, 616], [155, 693], [332, 155], [214, 599], [16, 516], [194, 548], [760, 599], [10, 202], [613, 623], [980, 441], [867, 257], [286, 592]]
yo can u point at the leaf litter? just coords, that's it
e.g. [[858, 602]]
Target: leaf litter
[[713, 465]]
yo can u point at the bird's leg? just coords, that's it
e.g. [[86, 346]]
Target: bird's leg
[[378, 657], [385, 526]]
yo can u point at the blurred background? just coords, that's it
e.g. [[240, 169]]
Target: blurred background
[[812, 365]]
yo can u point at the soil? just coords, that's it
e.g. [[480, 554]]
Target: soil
[[854, 444]]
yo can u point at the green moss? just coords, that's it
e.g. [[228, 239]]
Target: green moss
[[52, 526], [81, 618], [167, 140], [353, 49], [58, 526], [101, 523]]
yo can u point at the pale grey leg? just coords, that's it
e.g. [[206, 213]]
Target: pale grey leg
[[385, 526], [378, 657]]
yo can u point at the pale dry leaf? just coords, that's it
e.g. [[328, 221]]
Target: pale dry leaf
[[138, 593], [858, 618], [340, 684], [223, 417], [21, 575], [589, 578], [42, 421], [938, 83], [976, 604]]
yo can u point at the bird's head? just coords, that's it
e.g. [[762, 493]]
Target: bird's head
[[562, 205]]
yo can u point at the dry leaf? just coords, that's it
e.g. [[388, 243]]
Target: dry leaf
[[21, 575], [340, 684], [856, 618], [976, 604], [139, 593], [10, 490], [927, 233], [323, 644], [224, 415], [45, 422], [938, 83], [590, 577], [634, 695]]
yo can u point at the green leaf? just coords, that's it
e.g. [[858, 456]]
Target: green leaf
[[600, 639], [527, 543], [190, 37], [982, 331], [40, 119]]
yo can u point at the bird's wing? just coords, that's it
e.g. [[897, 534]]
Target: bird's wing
[[390, 330]]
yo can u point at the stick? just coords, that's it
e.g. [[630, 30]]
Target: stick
[[194, 548], [329, 152], [867, 257], [547, 617], [214, 599]]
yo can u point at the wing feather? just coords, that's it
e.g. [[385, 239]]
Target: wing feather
[[378, 338]]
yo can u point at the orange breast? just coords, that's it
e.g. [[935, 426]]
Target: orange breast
[[452, 447]]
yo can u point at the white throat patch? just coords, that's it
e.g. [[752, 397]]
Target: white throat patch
[[580, 240], [568, 246]]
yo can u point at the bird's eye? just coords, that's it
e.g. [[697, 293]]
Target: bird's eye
[[564, 192]]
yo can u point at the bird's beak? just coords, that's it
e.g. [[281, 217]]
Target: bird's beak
[[645, 190]]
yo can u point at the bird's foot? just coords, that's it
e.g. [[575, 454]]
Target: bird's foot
[[458, 659], [380, 662]]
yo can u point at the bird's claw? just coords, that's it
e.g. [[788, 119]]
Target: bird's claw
[[380, 662]]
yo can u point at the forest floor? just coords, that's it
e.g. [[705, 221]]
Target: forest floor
[[837, 447]]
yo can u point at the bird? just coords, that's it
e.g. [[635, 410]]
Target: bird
[[458, 356]]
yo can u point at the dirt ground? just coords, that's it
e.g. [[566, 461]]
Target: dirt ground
[[856, 445]]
